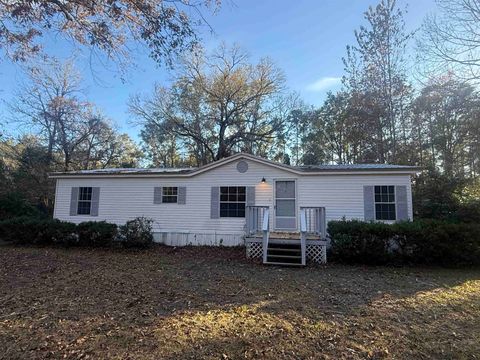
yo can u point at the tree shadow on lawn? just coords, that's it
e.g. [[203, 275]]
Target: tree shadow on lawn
[[204, 302]]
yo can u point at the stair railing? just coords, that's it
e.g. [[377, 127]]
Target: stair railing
[[254, 219], [315, 223], [303, 235], [266, 231]]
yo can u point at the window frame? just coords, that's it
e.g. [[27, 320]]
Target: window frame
[[85, 195], [384, 202], [172, 195], [233, 203]]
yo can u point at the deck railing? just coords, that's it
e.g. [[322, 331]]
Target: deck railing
[[315, 222], [255, 217], [258, 223], [266, 233]]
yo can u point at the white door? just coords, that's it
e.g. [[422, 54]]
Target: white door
[[285, 205]]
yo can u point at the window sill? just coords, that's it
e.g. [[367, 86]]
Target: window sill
[[386, 221]]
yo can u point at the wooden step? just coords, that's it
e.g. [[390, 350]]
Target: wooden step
[[285, 241], [285, 256], [282, 264], [284, 235], [284, 246], [284, 259], [287, 235], [282, 250]]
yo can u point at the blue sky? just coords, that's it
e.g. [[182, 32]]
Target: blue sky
[[305, 38]]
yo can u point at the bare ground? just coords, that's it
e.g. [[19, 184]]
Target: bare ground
[[167, 303]]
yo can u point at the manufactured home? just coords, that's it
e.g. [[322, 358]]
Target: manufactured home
[[279, 212]]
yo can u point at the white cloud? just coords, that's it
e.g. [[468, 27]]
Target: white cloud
[[324, 83]]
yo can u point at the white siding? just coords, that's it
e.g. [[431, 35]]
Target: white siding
[[342, 195], [122, 199]]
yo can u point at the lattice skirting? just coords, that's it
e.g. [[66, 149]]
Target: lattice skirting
[[315, 253], [254, 250]]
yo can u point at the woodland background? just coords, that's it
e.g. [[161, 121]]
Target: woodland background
[[392, 108]]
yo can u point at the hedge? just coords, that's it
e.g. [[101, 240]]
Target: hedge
[[14, 205], [96, 234], [417, 242], [136, 233], [28, 230]]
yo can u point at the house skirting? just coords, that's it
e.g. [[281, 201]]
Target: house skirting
[[206, 238]]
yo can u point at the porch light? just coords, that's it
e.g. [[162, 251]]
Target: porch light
[[263, 180]]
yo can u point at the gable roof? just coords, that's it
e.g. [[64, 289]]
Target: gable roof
[[189, 172]]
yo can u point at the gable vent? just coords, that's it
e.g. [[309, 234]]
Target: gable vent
[[242, 166]]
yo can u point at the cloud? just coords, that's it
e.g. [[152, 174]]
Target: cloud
[[324, 83]]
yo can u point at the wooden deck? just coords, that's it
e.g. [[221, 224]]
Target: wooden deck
[[285, 235]]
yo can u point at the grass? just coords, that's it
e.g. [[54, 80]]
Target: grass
[[167, 303]]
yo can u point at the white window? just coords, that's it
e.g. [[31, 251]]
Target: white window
[[385, 202], [84, 201], [170, 194], [232, 201]]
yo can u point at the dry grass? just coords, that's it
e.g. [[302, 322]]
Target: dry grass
[[212, 303]]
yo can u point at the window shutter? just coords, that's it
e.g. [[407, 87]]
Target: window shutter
[[95, 201], [215, 203], [74, 201], [250, 195], [157, 195], [182, 195], [402, 202], [368, 203]]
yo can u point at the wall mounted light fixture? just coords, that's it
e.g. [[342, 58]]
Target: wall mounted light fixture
[[263, 180]]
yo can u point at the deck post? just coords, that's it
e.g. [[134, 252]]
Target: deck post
[[303, 236]]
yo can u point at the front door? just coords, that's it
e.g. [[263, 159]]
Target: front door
[[285, 205]]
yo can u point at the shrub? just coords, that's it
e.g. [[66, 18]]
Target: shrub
[[64, 233], [96, 233], [14, 205], [468, 212], [137, 233], [14, 230], [419, 242], [355, 241], [28, 230]]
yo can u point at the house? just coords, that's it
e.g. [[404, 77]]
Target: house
[[278, 211]]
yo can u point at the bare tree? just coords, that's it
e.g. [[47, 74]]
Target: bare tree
[[450, 40], [48, 97], [74, 132], [218, 105], [105, 147], [376, 76]]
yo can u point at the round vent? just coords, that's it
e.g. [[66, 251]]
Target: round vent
[[242, 166]]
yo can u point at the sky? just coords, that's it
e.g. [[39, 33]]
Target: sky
[[305, 38]]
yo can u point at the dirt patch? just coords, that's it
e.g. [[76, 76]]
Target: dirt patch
[[213, 303]]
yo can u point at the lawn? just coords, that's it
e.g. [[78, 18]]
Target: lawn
[[168, 303]]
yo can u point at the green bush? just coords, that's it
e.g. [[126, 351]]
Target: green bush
[[418, 242], [136, 233], [31, 230], [96, 233], [64, 233], [14, 205], [468, 212]]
